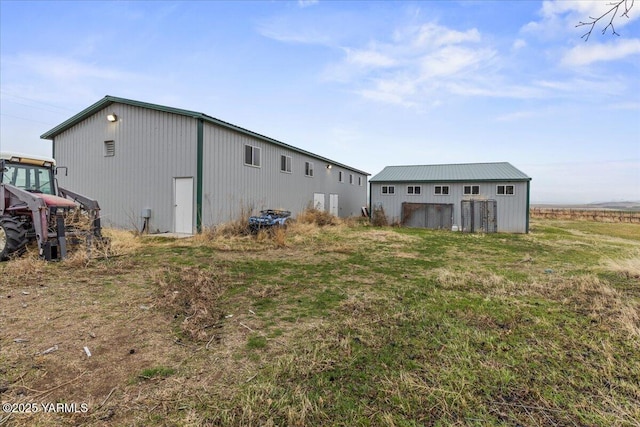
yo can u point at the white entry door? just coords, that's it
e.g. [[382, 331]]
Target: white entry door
[[183, 205], [318, 201], [333, 204]]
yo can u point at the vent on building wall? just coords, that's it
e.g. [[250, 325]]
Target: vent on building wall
[[109, 148]]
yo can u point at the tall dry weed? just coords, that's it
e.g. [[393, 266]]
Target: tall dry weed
[[379, 217], [123, 242], [317, 217], [280, 237]]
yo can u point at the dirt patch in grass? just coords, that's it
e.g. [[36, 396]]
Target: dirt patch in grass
[[47, 327], [193, 296]]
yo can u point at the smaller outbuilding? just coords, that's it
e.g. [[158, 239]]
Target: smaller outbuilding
[[472, 197]]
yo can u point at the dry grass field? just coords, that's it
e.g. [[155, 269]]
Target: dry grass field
[[598, 215], [334, 324]]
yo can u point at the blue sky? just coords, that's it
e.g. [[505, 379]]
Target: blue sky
[[368, 84]]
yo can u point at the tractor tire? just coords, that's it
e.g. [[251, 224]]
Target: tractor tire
[[13, 238]]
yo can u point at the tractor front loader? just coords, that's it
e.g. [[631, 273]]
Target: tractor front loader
[[34, 208]]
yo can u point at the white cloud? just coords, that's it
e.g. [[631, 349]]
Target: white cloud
[[368, 58], [62, 69], [585, 54], [397, 90], [625, 106], [423, 64], [588, 88], [307, 3], [558, 17], [519, 44], [516, 116], [415, 65], [47, 79], [453, 60], [431, 35], [296, 29]]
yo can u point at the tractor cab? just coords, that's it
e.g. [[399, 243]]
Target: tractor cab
[[33, 174]]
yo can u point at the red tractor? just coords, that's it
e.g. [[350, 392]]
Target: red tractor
[[34, 208]]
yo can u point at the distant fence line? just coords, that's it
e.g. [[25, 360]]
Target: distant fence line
[[599, 215]]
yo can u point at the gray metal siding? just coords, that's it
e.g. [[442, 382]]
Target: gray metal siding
[[230, 186], [512, 210], [151, 148]]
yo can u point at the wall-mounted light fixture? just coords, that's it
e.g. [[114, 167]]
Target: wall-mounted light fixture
[[112, 117], [328, 166]]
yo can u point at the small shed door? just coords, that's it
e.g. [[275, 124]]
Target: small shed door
[[318, 201], [333, 204], [183, 205], [479, 216]]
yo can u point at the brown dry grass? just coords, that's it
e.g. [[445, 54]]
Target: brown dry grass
[[317, 217], [307, 227], [628, 267], [587, 293]]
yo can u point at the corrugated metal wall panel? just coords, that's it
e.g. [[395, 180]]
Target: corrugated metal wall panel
[[231, 187], [151, 148]]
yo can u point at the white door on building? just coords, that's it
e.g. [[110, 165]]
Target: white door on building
[[183, 205], [318, 201], [333, 204]]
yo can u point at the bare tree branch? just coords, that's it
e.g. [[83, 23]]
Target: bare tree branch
[[613, 12]]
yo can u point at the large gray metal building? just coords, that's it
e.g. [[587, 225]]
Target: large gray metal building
[[189, 170], [475, 197]]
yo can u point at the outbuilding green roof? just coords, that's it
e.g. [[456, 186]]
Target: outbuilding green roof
[[467, 172], [108, 100]]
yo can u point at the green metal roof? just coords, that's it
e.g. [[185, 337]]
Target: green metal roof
[[467, 172], [108, 100]]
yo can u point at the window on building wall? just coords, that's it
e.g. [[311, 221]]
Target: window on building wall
[[252, 155], [109, 148], [360, 181], [441, 190], [350, 178], [340, 177], [414, 190], [505, 190], [285, 163], [388, 189], [308, 169], [471, 189]]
